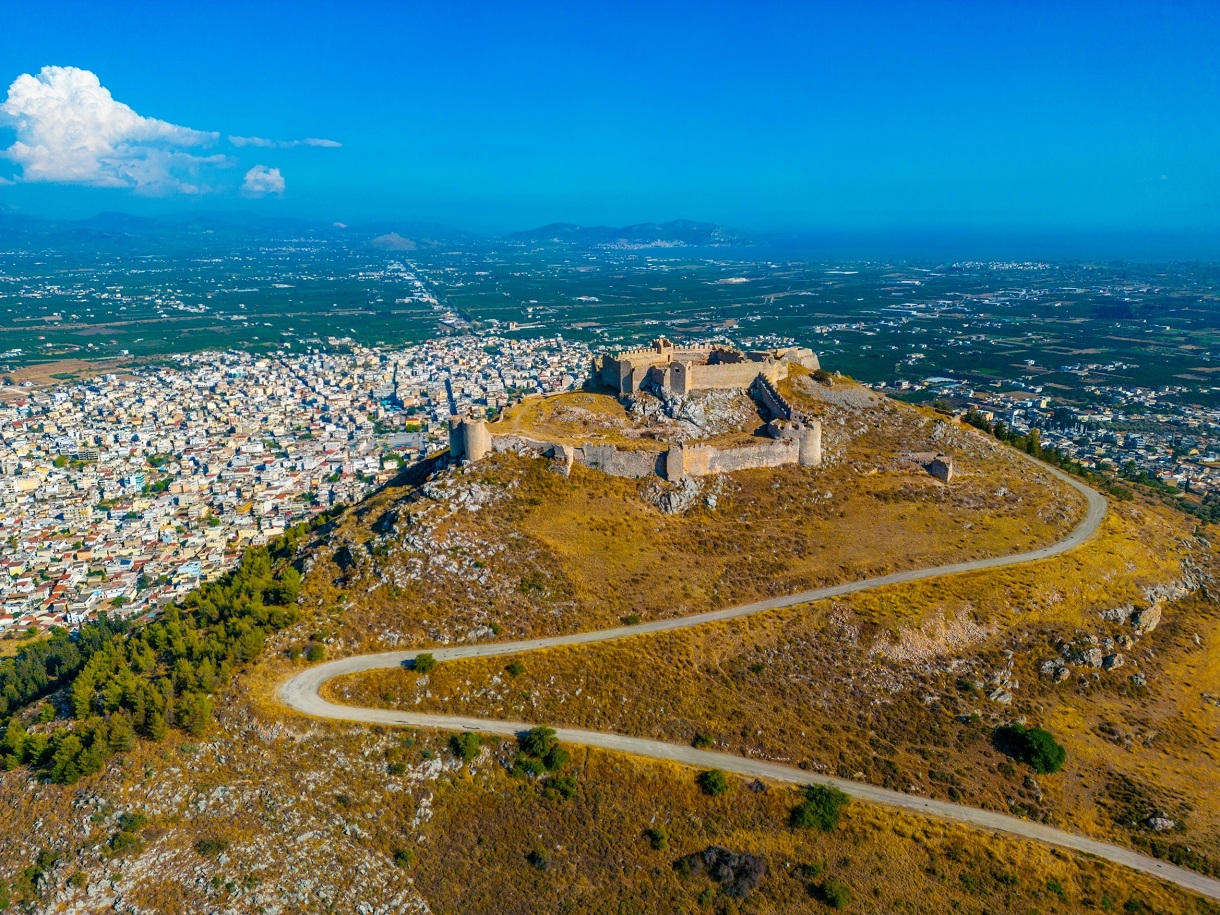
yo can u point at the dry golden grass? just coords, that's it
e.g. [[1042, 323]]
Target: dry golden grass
[[43, 373], [589, 417], [584, 552], [891, 686], [490, 833]]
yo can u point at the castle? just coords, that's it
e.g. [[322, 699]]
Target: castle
[[683, 369], [790, 438]]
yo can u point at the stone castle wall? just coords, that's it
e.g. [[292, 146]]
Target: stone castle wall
[[763, 389], [794, 443], [733, 375]]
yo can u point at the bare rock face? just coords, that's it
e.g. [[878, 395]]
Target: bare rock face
[[677, 498], [1118, 614], [738, 873], [1055, 670], [1085, 656], [1145, 621]]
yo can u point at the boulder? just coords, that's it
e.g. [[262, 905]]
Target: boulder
[[1144, 621], [1111, 661], [1159, 823], [1085, 657], [1055, 670]]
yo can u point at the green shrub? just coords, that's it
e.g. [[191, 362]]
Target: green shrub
[[657, 837], [123, 842], [315, 652], [538, 742], [556, 758], [424, 663], [702, 742], [526, 766], [132, 822], [834, 893], [713, 782], [515, 669], [820, 809], [466, 746], [211, 846], [560, 786], [1036, 747], [404, 857]]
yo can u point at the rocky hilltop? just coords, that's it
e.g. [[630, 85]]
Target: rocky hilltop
[[152, 770]]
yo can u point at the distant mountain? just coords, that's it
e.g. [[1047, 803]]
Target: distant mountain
[[677, 232], [415, 235]]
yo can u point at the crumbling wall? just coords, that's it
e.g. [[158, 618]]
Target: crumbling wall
[[619, 462], [941, 467], [791, 444], [728, 375], [774, 402]]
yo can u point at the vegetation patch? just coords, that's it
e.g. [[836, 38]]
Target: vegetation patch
[[1036, 747], [821, 808]]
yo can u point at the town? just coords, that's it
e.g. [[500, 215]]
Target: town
[[123, 492]]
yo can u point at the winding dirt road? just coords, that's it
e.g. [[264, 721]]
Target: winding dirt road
[[301, 692]]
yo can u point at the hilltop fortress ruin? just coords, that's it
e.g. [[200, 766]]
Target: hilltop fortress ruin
[[787, 438], [684, 369]]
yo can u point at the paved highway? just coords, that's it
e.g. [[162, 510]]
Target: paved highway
[[301, 692]]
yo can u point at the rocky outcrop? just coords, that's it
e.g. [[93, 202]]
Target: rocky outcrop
[[1145, 621]]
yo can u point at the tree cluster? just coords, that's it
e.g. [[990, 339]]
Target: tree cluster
[[122, 682]]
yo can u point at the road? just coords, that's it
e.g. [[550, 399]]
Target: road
[[301, 692]]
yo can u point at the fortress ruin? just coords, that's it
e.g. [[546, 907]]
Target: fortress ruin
[[701, 367], [787, 438]]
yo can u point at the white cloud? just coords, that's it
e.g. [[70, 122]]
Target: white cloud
[[71, 130], [283, 144], [262, 180]]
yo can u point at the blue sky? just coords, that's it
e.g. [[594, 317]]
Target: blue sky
[[865, 116]]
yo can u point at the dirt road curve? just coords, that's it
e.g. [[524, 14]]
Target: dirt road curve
[[300, 692]]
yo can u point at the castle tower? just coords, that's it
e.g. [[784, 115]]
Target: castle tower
[[478, 439], [810, 438], [468, 438]]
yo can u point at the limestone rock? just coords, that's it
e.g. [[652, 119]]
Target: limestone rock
[[1055, 670], [1159, 823], [1145, 621], [1118, 614], [1111, 661], [1084, 656]]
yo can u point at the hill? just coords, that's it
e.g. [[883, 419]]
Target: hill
[[235, 804]]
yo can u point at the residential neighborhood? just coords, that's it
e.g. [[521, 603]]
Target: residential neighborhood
[[122, 492]]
